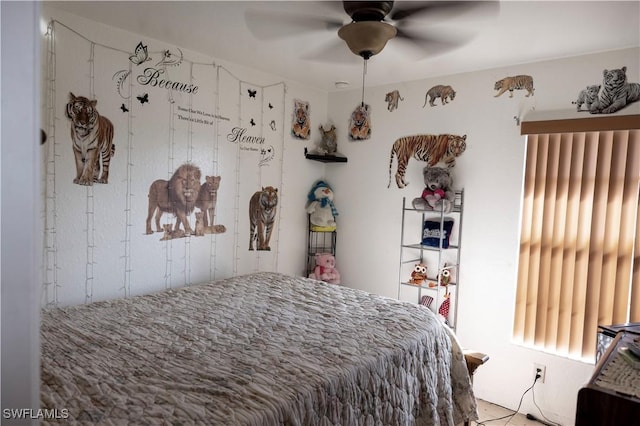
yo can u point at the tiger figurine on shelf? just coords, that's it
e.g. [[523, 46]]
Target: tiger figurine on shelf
[[92, 137], [439, 91], [587, 97], [518, 82], [429, 148], [616, 92], [262, 216]]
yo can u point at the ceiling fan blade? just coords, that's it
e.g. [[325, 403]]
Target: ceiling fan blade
[[441, 9], [335, 52], [272, 24], [432, 43]]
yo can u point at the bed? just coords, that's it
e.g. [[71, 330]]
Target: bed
[[259, 349]]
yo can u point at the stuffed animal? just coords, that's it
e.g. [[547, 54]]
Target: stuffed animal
[[322, 212], [328, 144], [419, 274], [325, 269], [445, 276], [437, 194]]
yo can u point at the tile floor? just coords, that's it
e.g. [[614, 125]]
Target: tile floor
[[488, 411]]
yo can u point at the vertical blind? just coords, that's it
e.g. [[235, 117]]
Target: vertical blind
[[579, 263]]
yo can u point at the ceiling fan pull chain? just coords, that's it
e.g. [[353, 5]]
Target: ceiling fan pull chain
[[364, 72]]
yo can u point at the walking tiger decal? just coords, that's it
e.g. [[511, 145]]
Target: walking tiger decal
[[262, 216], [516, 82], [92, 137], [429, 148]]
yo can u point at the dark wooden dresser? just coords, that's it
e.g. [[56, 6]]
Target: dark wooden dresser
[[599, 404]]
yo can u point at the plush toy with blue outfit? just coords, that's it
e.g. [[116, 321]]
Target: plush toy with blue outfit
[[322, 212]]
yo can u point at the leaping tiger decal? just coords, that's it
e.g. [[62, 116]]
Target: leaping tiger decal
[[392, 99], [616, 92], [517, 82], [429, 148], [92, 137]]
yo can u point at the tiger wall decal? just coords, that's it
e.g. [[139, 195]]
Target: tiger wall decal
[[301, 127], [440, 91], [360, 127], [262, 216], [429, 148], [92, 137], [616, 92], [586, 97], [392, 99], [517, 82]]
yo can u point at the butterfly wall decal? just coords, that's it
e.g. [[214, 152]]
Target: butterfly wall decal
[[273, 125], [124, 108], [253, 123], [270, 106], [140, 55], [252, 93], [143, 98]]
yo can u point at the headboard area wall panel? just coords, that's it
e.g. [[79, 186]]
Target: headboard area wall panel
[[154, 157]]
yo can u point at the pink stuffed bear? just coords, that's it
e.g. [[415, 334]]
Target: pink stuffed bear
[[325, 269]]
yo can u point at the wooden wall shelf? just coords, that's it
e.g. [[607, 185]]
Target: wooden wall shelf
[[325, 158]]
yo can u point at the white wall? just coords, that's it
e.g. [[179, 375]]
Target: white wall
[[95, 239], [490, 171]]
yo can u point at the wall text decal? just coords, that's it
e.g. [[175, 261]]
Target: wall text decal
[[150, 78]]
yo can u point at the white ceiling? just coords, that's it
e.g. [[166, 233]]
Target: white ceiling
[[520, 32]]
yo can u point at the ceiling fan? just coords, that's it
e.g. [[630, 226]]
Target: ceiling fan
[[371, 24]]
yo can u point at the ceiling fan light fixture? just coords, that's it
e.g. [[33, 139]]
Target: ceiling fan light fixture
[[367, 38]]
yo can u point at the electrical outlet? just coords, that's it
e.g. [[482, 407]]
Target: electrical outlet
[[541, 370]]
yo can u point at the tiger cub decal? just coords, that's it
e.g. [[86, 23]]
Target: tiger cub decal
[[429, 148], [518, 82], [392, 99], [301, 124], [439, 91], [92, 137], [616, 92], [262, 215], [360, 127], [586, 97]]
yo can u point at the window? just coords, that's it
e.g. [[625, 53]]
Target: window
[[579, 263]]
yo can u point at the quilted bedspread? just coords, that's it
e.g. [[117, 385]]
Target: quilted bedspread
[[261, 349]]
